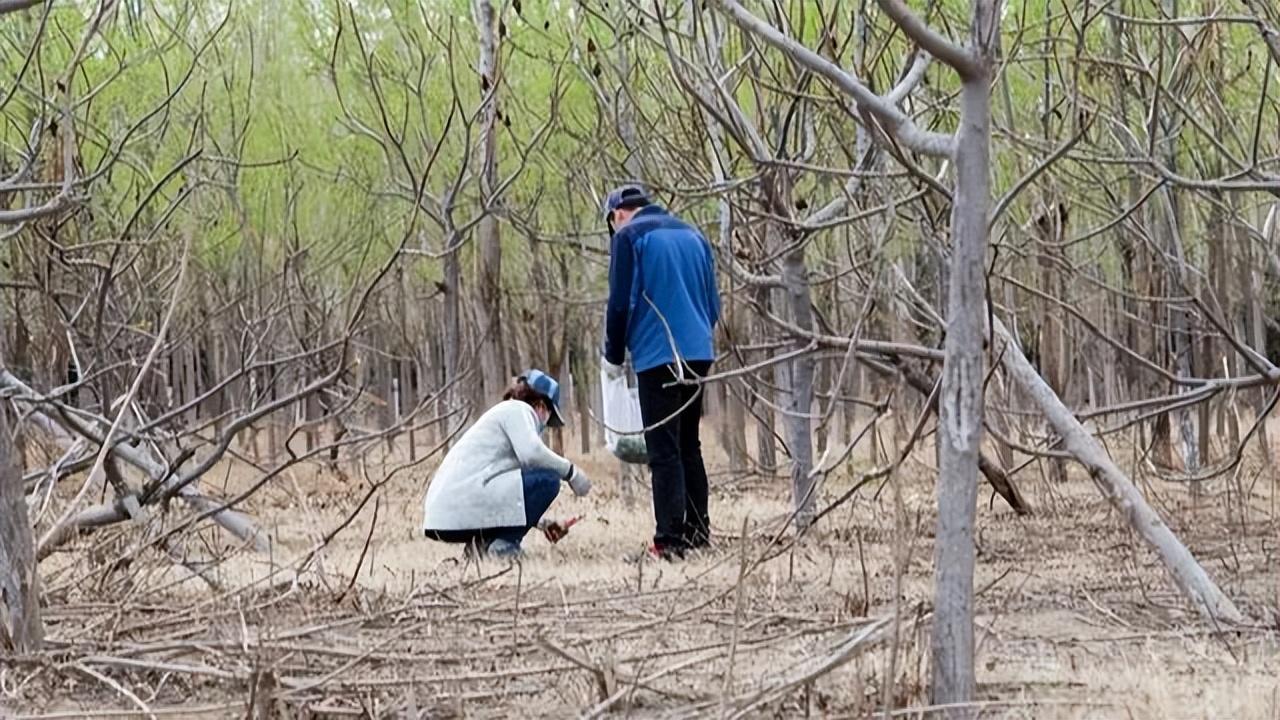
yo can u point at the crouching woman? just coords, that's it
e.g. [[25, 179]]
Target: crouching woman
[[499, 479]]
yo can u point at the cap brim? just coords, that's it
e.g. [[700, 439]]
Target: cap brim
[[556, 420]]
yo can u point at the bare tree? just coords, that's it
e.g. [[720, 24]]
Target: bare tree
[[492, 348], [961, 416], [134, 372], [21, 628], [961, 398]]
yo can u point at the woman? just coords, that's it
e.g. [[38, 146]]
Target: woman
[[499, 479]]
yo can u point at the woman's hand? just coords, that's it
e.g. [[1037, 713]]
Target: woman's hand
[[579, 482], [554, 530]]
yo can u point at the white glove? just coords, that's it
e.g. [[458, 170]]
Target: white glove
[[578, 481], [613, 372]]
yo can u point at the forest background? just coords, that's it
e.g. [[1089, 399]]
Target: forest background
[[258, 250]]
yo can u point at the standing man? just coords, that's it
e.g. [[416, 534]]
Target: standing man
[[663, 308]]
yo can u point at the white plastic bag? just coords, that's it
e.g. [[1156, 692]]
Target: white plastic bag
[[621, 410]]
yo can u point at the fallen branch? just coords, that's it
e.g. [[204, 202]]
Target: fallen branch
[[1187, 572], [234, 522], [853, 644]]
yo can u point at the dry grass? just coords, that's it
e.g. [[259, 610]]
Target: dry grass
[[1075, 620]]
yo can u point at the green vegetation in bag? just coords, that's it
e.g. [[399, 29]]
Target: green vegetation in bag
[[631, 449]]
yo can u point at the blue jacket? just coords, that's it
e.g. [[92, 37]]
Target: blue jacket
[[659, 261]]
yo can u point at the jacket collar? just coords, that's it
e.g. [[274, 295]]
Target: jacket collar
[[651, 210]]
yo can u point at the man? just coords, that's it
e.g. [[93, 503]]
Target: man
[[663, 308]]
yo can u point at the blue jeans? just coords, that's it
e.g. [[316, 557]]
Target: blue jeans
[[540, 490]]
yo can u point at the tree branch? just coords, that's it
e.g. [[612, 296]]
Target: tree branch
[[894, 120], [27, 214], [1117, 487], [1269, 34], [13, 6], [1265, 183], [909, 82], [928, 39]]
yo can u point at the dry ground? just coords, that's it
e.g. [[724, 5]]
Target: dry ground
[[1075, 619]]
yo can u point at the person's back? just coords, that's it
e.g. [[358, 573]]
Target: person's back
[[663, 298], [478, 479]]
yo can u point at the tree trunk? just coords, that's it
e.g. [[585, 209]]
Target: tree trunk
[[795, 378], [733, 415], [21, 628], [491, 348], [799, 390], [736, 417], [625, 110], [1184, 350], [824, 386], [1170, 221], [1138, 263], [191, 383], [960, 399], [452, 348], [1050, 227], [1254, 281], [766, 442], [582, 386]]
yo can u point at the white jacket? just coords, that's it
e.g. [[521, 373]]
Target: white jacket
[[478, 484]]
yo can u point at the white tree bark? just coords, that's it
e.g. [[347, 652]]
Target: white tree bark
[[798, 423], [21, 629], [960, 402]]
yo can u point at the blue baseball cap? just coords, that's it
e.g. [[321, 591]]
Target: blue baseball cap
[[546, 386], [625, 196]]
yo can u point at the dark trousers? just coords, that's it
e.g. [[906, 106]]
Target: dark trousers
[[675, 455], [540, 489]]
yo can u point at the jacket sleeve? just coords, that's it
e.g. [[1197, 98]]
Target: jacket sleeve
[[618, 312], [522, 430]]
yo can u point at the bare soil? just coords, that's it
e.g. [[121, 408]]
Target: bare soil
[[1075, 619]]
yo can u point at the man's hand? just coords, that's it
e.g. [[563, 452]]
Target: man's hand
[[613, 372]]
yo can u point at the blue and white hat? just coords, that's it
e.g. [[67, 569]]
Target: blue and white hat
[[546, 386]]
